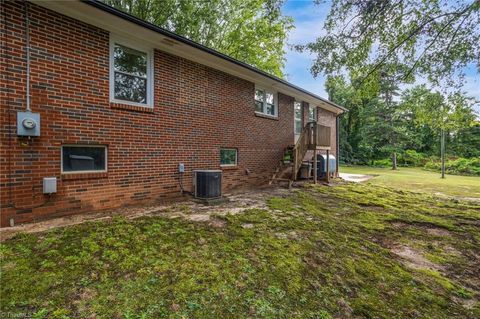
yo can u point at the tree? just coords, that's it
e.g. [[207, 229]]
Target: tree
[[444, 114], [252, 31], [343, 93], [465, 143], [388, 90], [373, 128], [433, 38]]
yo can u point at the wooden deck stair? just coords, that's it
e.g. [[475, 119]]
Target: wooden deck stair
[[283, 173], [314, 137]]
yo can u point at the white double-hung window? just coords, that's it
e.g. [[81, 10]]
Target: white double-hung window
[[131, 73], [312, 113], [297, 109], [266, 102]]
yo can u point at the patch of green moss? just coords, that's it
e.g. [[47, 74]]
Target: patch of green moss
[[321, 252]]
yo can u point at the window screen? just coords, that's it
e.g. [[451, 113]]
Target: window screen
[[130, 74], [84, 158], [228, 156]]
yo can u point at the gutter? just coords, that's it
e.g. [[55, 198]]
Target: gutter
[[106, 8], [337, 142]]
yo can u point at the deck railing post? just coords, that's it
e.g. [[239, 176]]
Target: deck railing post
[[328, 166], [294, 169]]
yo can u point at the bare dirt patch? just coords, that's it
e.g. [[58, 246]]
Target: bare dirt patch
[[435, 231], [414, 258], [467, 303], [428, 228], [189, 209], [356, 178]]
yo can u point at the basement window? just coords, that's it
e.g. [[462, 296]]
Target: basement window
[[131, 73], [84, 158], [228, 157], [266, 102]]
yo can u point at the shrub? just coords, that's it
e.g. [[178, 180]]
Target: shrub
[[386, 162], [459, 166], [412, 158], [408, 158]]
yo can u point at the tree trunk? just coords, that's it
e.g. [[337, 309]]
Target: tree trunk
[[442, 150], [394, 161]]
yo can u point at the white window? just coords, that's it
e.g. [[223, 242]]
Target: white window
[[312, 113], [84, 158], [297, 106], [266, 102], [228, 157], [131, 73]]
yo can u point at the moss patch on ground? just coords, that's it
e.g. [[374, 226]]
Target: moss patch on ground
[[319, 252]]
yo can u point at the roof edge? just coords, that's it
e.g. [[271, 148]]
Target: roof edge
[[106, 8]]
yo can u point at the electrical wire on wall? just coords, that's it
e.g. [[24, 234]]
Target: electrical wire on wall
[[29, 141], [180, 182]]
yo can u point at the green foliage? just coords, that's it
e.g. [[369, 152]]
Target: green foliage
[[459, 166], [252, 31], [434, 38], [433, 110], [383, 44], [465, 142], [386, 162], [412, 158], [376, 126], [320, 252], [407, 158]]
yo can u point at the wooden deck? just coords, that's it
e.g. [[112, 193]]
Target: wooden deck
[[314, 137]]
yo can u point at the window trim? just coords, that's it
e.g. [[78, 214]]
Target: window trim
[[105, 147], [229, 149], [295, 119], [275, 101], [150, 70], [315, 113]]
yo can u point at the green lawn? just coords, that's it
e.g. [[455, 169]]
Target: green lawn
[[417, 179], [349, 251]]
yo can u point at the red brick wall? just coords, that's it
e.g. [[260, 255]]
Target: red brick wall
[[197, 111]]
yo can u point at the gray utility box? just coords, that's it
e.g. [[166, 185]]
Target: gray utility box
[[28, 124], [49, 185], [82, 163]]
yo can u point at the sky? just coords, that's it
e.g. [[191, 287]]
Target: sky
[[308, 25], [308, 22]]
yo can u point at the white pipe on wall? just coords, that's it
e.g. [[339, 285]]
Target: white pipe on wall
[[27, 53]]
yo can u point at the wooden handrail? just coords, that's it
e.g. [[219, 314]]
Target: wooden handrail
[[301, 148]]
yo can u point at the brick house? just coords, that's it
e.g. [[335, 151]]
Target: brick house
[[121, 103]]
